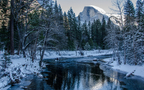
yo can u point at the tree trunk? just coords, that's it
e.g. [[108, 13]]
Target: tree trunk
[[34, 51], [43, 49], [24, 55], [12, 28], [19, 47], [41, 57], [124, 52]]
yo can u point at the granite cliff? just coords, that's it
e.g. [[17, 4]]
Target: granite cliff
[[91, 13]]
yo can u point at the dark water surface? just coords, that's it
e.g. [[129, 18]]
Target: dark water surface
[[79, 74], [76, 76]]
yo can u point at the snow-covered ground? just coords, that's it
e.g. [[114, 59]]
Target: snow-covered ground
[[20, 67], [137, 70], [17, 69]]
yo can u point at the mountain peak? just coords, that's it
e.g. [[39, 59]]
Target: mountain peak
[[91, 13], [97, 8]]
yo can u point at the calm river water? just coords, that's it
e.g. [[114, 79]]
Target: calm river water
[[80, 74]]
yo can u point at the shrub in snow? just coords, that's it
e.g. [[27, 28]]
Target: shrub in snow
[[15, 56], [58, 53], [81, 53], [87, 46], [15, 75], [6, 61]]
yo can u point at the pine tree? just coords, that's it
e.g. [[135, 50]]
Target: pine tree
[[85, 34], [103, 33], [87, 46], [66, 22], [96, 33], [132, 34], [91, 43], [72, 33], [79, 32], [72, 23], [56, 8], [89, 34], [138, 37], [129, 13], [109, 23], [139, 11], [89, 29], [63, 39], [60, 15]]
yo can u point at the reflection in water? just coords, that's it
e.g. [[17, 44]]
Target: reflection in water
[[79, 76]]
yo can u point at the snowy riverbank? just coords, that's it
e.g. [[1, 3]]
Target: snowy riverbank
[[20, 67], [69, 54], [137, 70]]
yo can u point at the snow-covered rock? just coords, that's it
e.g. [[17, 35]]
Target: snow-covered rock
[[95, 59], [91, 13], [129, 73], [40, 76]]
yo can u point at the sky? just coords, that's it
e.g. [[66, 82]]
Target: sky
[[78, 5]]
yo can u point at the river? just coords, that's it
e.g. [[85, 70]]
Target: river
[[79, 74]]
